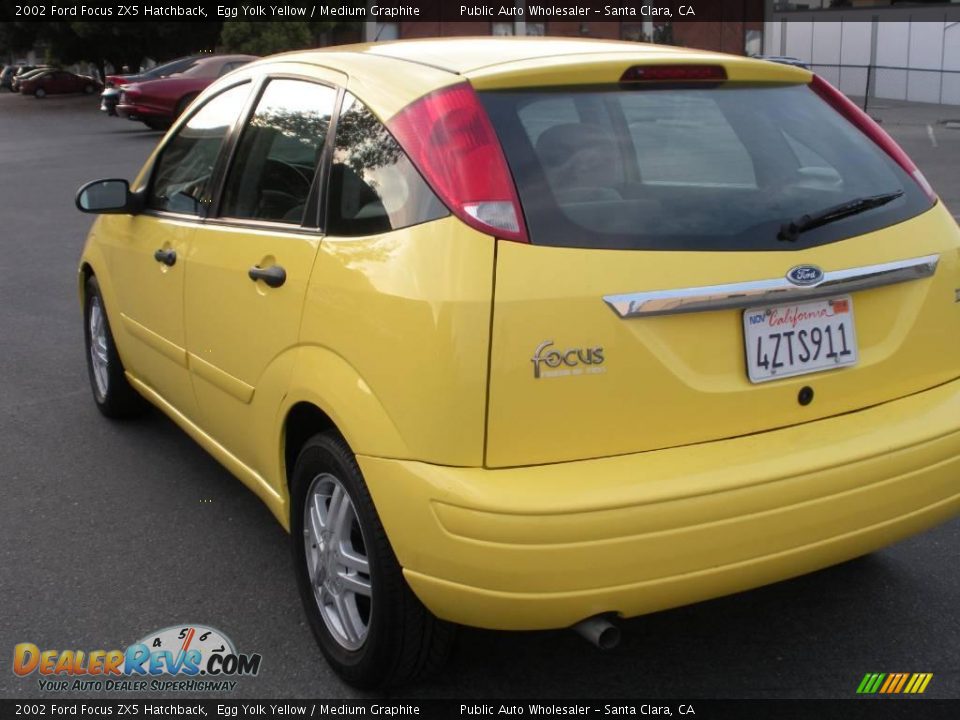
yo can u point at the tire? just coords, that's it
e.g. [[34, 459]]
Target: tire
[[87, 89], [39, 93], [182, 104], [111, 392], [389, 637], [156, 124]]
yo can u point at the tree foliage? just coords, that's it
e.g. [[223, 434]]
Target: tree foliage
[[17, 37], [663, 34], [265, 38], [118, 43]]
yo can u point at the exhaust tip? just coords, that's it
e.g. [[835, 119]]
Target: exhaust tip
[[609, 638], [599, 632]]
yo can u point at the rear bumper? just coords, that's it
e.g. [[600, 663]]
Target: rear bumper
[[546, 546], [109, 99], [141, 112]]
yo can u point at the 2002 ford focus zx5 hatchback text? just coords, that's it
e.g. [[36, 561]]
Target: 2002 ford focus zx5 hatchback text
[[536, 333]]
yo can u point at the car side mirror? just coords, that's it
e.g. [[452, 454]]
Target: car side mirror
[[109, 196]]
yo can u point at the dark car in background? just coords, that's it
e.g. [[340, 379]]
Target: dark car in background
[[110, 96], [6, 76], [157, 103], [9, 72], [57, 82], [24, 72]]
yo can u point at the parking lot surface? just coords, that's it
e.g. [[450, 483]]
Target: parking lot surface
[[109, 531]]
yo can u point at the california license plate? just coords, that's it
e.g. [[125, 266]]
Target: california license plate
[[787, 340]]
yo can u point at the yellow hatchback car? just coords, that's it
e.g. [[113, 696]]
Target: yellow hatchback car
[[536, 333]]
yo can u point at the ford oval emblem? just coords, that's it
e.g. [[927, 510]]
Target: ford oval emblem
[[805, 275]]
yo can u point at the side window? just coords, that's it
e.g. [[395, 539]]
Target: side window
[[279, 150], [229, 67], [186, 163], [373, 187]]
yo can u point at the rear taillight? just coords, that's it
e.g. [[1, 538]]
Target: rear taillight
[[674, 73], [869, 127], [449, 138]]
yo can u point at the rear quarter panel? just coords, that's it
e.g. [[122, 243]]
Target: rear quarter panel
[[401, 323]]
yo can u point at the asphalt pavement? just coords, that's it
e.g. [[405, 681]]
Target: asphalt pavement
[[931, 136], [109, 531]]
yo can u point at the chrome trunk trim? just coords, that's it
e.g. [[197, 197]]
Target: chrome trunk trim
[[768, 292]]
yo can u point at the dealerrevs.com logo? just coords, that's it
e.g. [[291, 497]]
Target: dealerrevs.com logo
[[178, 658]]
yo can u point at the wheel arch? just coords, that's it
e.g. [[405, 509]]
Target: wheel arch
[[303, 421], [327, 394], [93, 265], [84, 273]]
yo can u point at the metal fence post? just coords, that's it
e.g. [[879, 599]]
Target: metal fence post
[[866, 90]]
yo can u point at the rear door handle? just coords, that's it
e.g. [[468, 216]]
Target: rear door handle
[[274, 276], [166, 256]]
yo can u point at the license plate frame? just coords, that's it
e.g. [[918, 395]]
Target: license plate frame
[[779, 339]]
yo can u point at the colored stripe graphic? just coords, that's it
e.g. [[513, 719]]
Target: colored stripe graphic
[[891, 680], [918, 683], [894, 683], [870, 683]]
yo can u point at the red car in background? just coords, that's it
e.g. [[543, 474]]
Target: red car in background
[[157, 103], [56, 82]]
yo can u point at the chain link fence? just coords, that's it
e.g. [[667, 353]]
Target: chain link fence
[[873, 85]]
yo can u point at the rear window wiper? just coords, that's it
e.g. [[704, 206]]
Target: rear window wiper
[[790, 231]]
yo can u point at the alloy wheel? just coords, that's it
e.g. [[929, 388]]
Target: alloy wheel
[[337, 563], [99, 356]]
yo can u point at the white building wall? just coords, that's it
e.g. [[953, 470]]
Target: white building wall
[[854, 50], [825, 49], [771, 37], [799, 40], [925, 51], [923, 48], [951, 61], [893, 45]]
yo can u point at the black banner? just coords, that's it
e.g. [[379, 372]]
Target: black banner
[[657, 11], [391, 10], [877, 709], [460, 11]]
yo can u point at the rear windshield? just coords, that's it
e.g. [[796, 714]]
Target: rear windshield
[[171, 68], [720, 168]]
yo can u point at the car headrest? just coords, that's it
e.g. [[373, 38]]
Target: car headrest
[[580, 155]]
